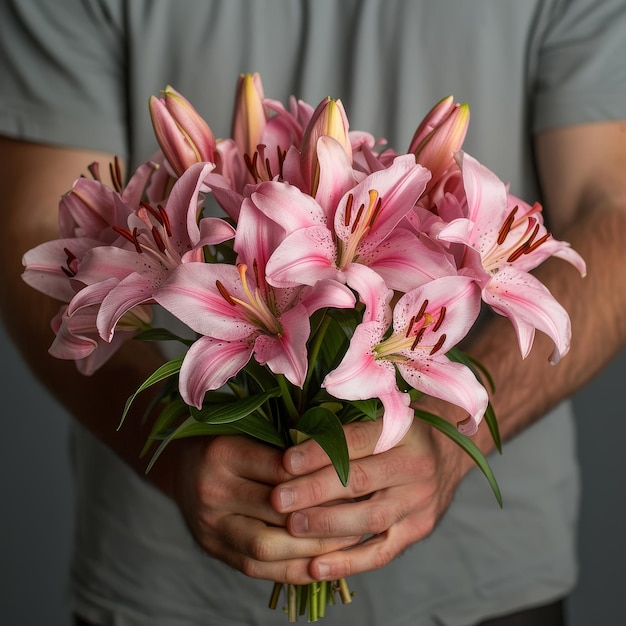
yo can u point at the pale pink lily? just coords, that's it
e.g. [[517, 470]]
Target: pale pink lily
[[363, 230], [89, 215], [157, 241], [427, 322], [183, 135], [505, 239], [51, 267], [77, 338], [328, 120], [249, 116], [439, 136], [92, 209]]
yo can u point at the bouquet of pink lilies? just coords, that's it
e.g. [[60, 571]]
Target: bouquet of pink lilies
[[323, 277]]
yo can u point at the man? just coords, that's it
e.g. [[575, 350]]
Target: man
[[542, 79]]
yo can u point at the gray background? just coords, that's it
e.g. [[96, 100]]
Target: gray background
[[36, 509]]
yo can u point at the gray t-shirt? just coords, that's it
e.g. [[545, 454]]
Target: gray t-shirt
[[80, 74]]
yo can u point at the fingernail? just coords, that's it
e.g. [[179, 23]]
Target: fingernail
[[296, 461], [286, 497], [323, 570], [299, 522]]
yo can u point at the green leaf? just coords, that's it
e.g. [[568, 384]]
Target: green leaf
[[171, 368], [326, 429], [476, 366], [226, 412], [173, 410], [454, 354], [257, 426], [253, 425], [162, 334], [466, 443], [190, 428], [370, 408], [492, 424]]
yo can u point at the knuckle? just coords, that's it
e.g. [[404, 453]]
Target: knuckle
[[317, 492], [382, 557], [377, 519], [261, 549], [360, 483], [249, 567], [360, 437]]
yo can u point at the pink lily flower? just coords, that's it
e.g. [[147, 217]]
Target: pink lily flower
[[183, 135], [505, 239], [88, 218], [239, 315], [77, 336], [439, 136], [249, 118], [329, 120], [362, 230], [427, 322], [156, 242]]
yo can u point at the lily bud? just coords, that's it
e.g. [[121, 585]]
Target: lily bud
[[328, 120], [439, 136], [249, 117], [183, 135]]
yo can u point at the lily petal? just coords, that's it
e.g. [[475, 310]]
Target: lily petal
[[360, 375], [286, 354], [449, 381], [192, 295], [397, 419], [208, 364], [304, 257], [528, 304]]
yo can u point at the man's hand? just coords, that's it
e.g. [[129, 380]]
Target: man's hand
[[397, 496], [222, 486]]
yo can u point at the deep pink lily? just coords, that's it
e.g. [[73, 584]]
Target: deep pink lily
[[240, 315], [505, 239], [427, 322], [239, 319], [157, 240]]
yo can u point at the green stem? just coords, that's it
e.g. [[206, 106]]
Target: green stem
[[315, 348], [273, 603], [292, 604], [344, 591], [287, 399], [314, 589], [323, 598]]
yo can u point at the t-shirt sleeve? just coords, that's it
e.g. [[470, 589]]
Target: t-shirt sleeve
[[582, 65], [62, 73]]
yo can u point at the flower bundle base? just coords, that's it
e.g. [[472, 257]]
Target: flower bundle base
[[311, 599]]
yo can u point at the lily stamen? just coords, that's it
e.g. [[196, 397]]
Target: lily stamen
[[224, 293], [439, 321], [438, 345], [418, 337], [505, 229], [348, 213]]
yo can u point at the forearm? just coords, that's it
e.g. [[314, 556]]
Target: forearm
[[30, 218], [526, 389]]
